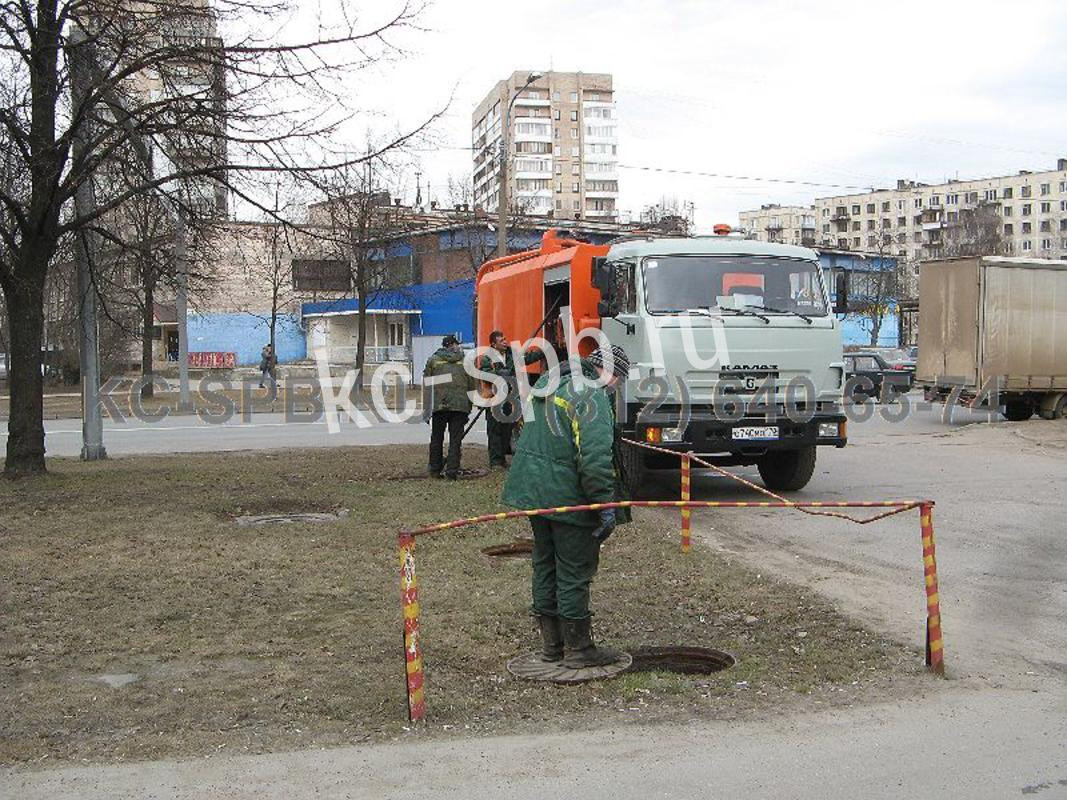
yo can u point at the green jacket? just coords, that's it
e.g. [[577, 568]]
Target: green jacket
[[451, 394], [566, 454]]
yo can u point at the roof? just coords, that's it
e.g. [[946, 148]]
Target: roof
[[708, 245]]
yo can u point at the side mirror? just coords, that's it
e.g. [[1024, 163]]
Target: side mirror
[[603, 278], [841, 293]]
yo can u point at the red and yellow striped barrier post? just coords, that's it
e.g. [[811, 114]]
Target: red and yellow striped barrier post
[[935, 648], [686, 513], [409, 593]]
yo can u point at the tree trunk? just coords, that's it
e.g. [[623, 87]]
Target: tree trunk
[[147, 318], [25, 427], [876, 329], [361, 343]]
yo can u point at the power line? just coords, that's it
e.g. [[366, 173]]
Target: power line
[[761, 179]]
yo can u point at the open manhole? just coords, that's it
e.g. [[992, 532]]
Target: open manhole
[[683, 660], [291, 519], [520, 548]]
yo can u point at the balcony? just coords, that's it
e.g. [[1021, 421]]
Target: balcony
[[604, 213]]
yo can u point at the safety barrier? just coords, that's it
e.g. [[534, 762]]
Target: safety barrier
[[415, 676]]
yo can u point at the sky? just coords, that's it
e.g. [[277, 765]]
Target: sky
[[844, 95]]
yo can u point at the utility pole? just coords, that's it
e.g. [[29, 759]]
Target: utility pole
[[181, 305], [502, 199], [84, 252]]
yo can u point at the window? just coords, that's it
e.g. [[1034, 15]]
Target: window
[[1027, 244], [902, 238], [856, 225], [826, 228], [1045, 189], [555, 150], [900, 205], [1063, 224], [321, 275], [1009, 230], [825, 213], [575, 151], [1046, 208], [555, 114], [575, 187], [576, 169], [885, 207], [902, 221], [594, 96], [555, 134], [1046, 244], [577, 205], [574, 133], [559, 204], [555, 94], [990, 194], [1027, 209], [396, 334], [856, 242], [1046, 226], [871, 224], [559, 168], [559, 186], [574, 97], [604, 131], [1063, 205], [574, 117], [673, 283], [886, 223], [971, 197], [935, 201], [1025, 191], [1008, 211], [1027, 227], [917, 237], [1063, 187], [1007, 193], [917, 202], [533, 128], [532, 184], [952, 199], [870, 208], [856, 209]]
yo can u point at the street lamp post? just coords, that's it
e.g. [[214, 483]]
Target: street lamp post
[[502, 201]]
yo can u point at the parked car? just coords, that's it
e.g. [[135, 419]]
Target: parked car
[[868, 374]]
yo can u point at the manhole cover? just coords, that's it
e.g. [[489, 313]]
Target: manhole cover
[[520, 548], [290, 519], [683, 660]]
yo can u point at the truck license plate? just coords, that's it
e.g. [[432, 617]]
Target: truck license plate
[[757, 432]]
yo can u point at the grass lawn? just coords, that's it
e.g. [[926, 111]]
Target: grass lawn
[[248, 639]]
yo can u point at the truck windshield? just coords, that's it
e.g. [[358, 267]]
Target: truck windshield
[[733, 283]]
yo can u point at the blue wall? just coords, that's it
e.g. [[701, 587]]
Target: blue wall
[[245, 335]]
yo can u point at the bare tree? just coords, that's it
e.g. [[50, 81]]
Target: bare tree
[[876, 289], [974, 232], [670, 216], [87, 83]]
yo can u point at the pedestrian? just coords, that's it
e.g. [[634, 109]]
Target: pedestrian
[[447, 405], [268, 361], [566, 456], [499, 426]]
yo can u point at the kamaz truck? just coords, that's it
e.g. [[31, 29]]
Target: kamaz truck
[[735, 351]]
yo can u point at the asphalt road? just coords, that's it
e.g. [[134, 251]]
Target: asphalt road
[[996, 728]]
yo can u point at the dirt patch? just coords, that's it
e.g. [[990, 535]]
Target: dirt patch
[[280, 637]]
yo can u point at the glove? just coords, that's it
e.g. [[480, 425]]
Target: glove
[[607, 525]]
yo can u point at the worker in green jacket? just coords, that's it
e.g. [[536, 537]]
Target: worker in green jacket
[[566, 456], [446, 405]]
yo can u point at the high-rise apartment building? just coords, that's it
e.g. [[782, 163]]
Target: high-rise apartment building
[[562, 157], [784, 224]]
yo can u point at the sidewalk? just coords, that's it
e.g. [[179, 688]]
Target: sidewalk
[[953, 742]]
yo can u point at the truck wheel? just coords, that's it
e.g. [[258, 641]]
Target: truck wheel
[[633, 468], [1053, 406], [787, 470], [1018, 410]]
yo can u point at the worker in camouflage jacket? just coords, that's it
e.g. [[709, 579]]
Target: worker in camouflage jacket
[[499, 423], [566, 456], [446, 405]]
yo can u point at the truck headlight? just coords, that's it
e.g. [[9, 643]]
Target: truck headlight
[[831, 430], [672, 434]]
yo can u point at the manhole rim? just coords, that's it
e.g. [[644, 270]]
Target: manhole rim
[[641, 656]]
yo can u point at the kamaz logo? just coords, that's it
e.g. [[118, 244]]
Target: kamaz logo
[[750, 376]]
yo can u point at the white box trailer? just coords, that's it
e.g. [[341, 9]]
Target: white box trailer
[[993, 332]]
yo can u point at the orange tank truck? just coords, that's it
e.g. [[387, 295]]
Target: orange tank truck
[[516, 293]]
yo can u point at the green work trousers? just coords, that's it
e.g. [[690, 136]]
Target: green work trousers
[[565, 559], [499, 435]]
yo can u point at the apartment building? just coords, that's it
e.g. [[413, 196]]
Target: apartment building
[[1023, 214], [562, 153], [783, 224]]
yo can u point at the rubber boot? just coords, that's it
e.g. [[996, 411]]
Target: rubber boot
[[551, 638], [579, 650]]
